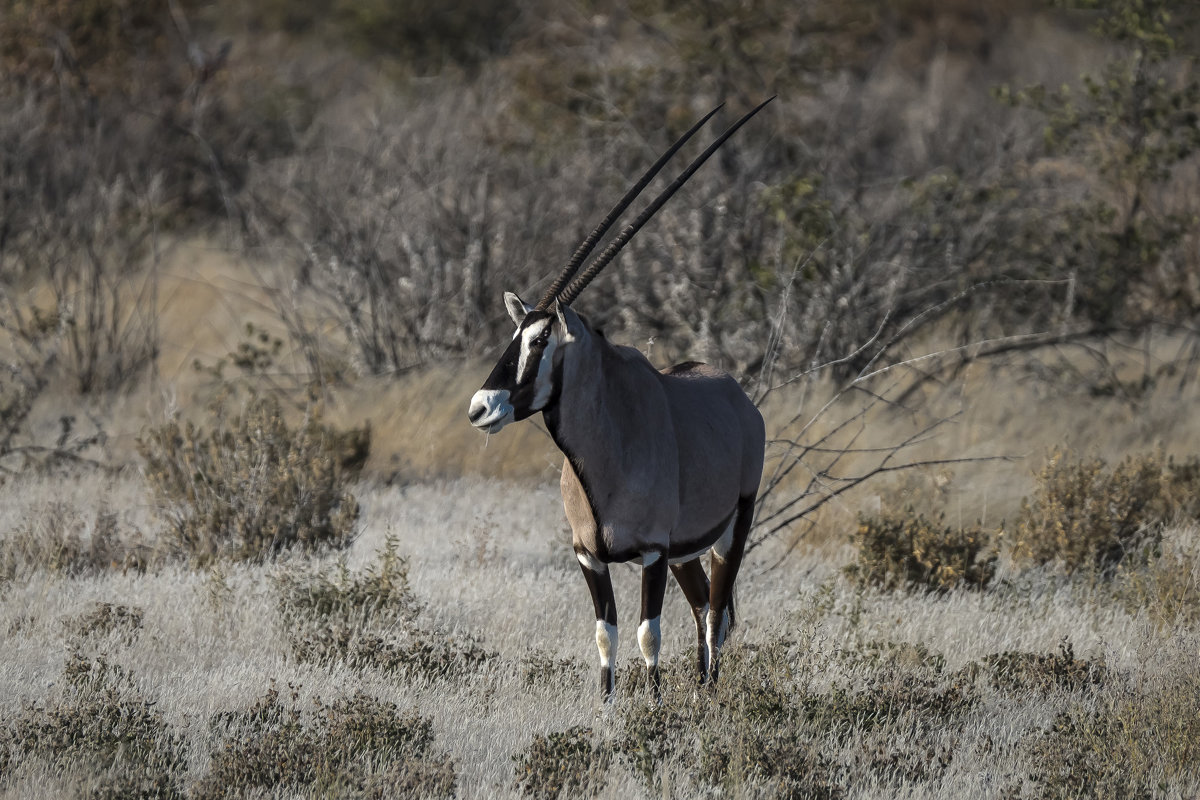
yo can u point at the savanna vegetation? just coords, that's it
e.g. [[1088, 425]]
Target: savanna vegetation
[[251, 259]]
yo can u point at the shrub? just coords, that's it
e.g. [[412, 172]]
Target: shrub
[[103, 727], [103, 619], [368, 620], [251, 485], [357, 746], [566, 764], [902, 550], [1083, 515], [60, 539], [1018, 671], [766, 726], [1167, 586], [1126, 744]]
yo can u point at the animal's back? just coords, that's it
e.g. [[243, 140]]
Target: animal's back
[[721, 439]]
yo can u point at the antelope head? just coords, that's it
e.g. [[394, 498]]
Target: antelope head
[[525, 380]]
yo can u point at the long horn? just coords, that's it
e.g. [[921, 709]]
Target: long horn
[[568, 295], [585, 248]]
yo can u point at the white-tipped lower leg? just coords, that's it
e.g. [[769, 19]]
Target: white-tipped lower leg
[[718, 626], [650, 641], [606, 643]]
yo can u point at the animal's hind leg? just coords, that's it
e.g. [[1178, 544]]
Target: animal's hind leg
[[599, 583], [691, 578], [726, 560]]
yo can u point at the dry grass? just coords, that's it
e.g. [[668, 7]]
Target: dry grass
[[830, 689]]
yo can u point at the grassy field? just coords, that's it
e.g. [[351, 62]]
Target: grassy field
[[159, 683]]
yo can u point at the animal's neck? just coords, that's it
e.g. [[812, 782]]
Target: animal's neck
[[581, 420]]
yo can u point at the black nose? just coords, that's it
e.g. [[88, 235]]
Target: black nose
[[476, 411]]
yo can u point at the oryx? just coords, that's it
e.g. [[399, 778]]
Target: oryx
[[660, 466]]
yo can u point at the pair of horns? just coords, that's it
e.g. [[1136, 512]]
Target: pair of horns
[[566, 292]]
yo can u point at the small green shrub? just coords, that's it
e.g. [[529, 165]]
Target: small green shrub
[[103, 728], [103, 619], [1126, 744], [1017, 671], [765, 726], [540, 669], [902, 550], [369, 620], [357, 746], [566, 764], [252, 484], [1083, 515]]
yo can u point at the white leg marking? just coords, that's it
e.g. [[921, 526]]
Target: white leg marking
[[606, 643], [717, 629], [650, 640], [592, 563]]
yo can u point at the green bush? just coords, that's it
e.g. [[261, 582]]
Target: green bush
[[1083, 515], [101, 727], [902, 550], [1124, 744], [567, 764], [103, 619], [252, 484], [357, 746], [369, 620], [1018, 671]]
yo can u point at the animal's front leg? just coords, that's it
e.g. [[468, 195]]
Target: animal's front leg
[[595, 572], [654, 585]]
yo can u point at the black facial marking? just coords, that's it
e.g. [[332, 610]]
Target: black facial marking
[[504, 375]]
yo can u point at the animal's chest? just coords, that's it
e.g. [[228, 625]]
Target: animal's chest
[[617, 524]]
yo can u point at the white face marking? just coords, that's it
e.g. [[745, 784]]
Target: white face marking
[[490, 409], [650, 640], [591, 562], [606, 643], [527, 338]]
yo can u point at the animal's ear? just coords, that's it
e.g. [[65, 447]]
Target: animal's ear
[[517, 308], [568, 322]]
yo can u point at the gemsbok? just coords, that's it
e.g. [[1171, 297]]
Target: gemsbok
[[660, 466]]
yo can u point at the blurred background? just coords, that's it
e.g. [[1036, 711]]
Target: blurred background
[[962, 231]]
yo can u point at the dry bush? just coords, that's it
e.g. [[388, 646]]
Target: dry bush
[[540, 669], [104, 619], [1167, 586], [1125, 743], [765, 726], [903, 550], [252, 484], [1016, 671], [368, 620], [1084, 515], [102, 730], [63, 540], [570, 763], [357, 746]]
